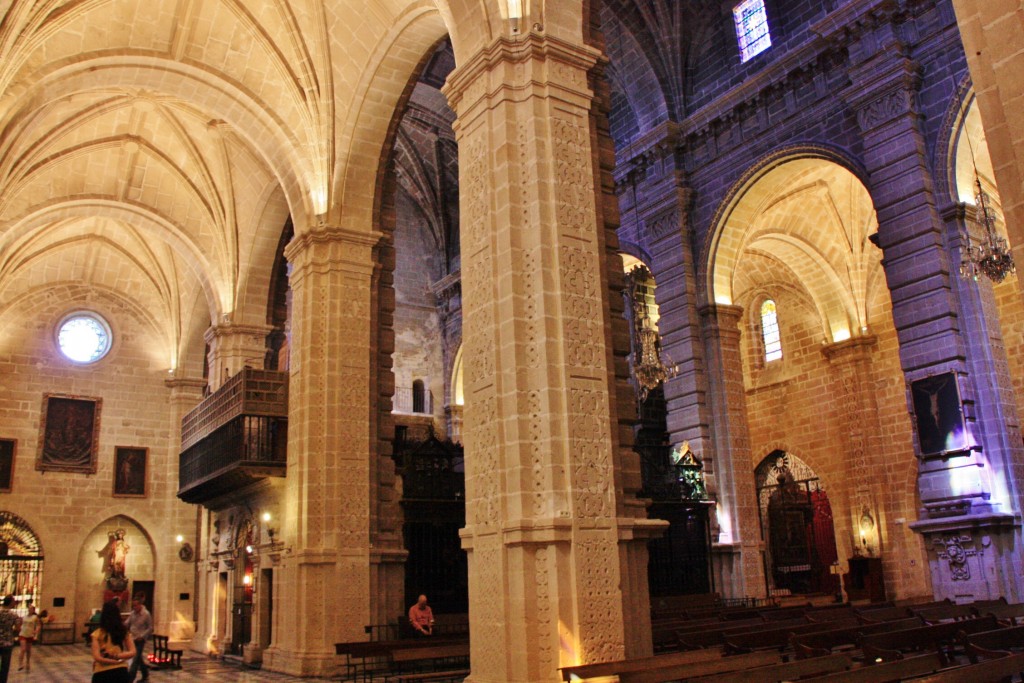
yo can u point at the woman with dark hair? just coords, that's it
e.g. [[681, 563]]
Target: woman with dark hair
[[112, 647]]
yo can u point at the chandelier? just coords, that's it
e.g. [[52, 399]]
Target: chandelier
[[990, 255], [651, 366]]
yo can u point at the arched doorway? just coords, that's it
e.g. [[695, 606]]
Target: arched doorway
[[797, 527], [116, 560], [21, 560]]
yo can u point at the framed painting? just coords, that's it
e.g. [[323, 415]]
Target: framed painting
[[7, 450], [69, 434], [938, 414], [130, 471]]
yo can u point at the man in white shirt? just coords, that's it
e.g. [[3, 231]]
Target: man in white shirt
[[140, 625]]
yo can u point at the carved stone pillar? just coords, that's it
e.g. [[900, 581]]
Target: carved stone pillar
[[325, 516], [556, 541], [233, 347], [968, 490], [739, 566]]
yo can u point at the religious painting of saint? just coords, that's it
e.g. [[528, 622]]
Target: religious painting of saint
[[7, 448], [69, 434], [130, 472], [939, 414]]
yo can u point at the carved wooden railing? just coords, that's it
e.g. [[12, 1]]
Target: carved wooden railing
[[235, 436]]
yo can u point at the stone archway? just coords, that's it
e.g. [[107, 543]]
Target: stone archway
[[21, 560], [117, 540]]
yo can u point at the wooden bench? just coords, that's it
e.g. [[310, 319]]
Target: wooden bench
[[713, 637], [428, 658], [1002, 669], [617, 668], [889, 671], [773, 639], [365, 659], [935, 615], [785, 672], [885, 614], [886, 647], [1010, 615], [694, 670], [163, 657], [820, 643], [992, 644]]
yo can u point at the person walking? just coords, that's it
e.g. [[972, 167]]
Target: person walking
[[31, 626], [140, 625], [112, 647], [9, 625]]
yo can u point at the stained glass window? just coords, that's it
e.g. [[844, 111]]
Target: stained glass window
[[751, 28], [770, 331], [83, 337]]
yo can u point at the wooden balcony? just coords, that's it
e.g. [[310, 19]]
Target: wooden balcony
[[236, 437]]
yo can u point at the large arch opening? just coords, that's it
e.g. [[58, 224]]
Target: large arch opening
[[21, 561], [821, 368], [117, 559]]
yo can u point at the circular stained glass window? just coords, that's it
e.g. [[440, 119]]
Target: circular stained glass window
[[83, 337]]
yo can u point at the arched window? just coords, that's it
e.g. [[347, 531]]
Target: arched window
[[419, 397], [752, 32], [770, 331]]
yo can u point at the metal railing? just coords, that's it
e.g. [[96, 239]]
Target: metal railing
[[407, 402]]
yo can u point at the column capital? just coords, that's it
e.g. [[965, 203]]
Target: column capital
[[513, 64], [258, 333], [856, 348], [724, 316], [335, 245]]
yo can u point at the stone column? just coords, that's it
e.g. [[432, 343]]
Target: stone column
[[853, 379], [233, 347], [969, 521], [324, 583], [557, 561], [176, 617], [739, 562]]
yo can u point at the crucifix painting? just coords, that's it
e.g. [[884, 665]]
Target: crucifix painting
[[939, 414], [69, 434]]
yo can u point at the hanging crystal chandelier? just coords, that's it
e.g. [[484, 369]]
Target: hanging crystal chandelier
[[651, 366], [989, 255]]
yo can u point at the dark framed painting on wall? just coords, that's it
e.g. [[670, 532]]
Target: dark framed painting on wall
[[130, 471], [69, 434], [939, 414], [7, 450]]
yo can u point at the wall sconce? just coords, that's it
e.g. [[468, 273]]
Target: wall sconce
[[271, 531], [185, 552], [247, 579], [515, 14]]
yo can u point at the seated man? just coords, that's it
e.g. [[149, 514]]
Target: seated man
[[421, 617]]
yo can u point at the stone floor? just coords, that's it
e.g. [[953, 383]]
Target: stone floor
[[73, 664]]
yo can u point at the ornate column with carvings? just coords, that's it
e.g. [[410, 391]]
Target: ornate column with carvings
[[555, 536], [233, 347], [738, 557], [324, 571], [967, 489]]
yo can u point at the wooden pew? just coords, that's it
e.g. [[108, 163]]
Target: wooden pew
[[601, 670], [992, 644], [713, 637], [688, 671], [820, 643], [428, 658], [773, 639], [784, 672], [886, 647], [364, 659], [875, 616], [1009, 615], [935, 615], [823, 616], [990, 671], [453, 676], [889, 671]]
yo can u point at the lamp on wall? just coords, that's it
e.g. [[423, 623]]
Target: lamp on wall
[[271, 531], [990, 254], [515, 14]]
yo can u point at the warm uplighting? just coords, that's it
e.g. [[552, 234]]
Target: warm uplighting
[[247, 579], [515, 13], [266, 517], [179, 538]]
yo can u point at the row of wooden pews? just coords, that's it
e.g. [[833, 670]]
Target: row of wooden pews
[[433, 659], [939, 642]]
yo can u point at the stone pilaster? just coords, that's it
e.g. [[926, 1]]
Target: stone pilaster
[[181, 576], [557, 563], [233, 347], [966, 508], [853, 377], [739, 566], [324, 570]]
